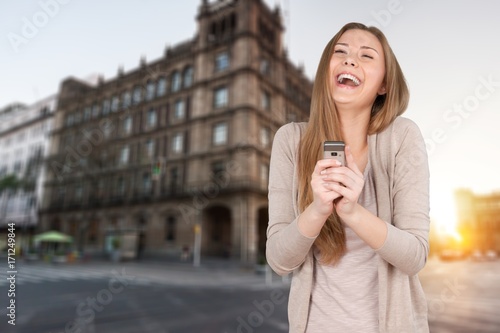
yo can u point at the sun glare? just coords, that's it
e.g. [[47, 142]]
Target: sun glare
[[443, 216]]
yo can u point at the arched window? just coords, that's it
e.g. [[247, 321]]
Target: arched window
[[188, 77], [176, 81], [137, 97], [170, 229], [161, 87], [126, 99], [150, 90]]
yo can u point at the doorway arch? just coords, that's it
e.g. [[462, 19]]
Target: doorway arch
[[217, 231]]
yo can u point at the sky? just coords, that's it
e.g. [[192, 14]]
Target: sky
[[448, 50]]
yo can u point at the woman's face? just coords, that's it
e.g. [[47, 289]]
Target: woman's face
[[357, 69]]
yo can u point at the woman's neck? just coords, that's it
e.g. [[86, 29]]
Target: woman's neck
[[354, 128]]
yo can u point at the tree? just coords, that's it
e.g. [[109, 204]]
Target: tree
[[8, 185]]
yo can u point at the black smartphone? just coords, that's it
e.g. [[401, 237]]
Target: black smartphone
[[335, 150]]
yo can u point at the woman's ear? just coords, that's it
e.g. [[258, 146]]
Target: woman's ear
[[382, 90]]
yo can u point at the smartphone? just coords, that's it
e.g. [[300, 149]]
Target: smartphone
[[335, 150]]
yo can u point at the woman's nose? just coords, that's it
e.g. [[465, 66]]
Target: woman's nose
[[350, 62]]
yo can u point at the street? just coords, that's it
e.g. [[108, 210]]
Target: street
[[152, 297], [463, 296], [144, 297]]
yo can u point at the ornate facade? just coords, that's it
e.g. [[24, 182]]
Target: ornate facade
[[179, 146]]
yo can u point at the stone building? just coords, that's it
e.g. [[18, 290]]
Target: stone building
[[24, 143], [179, 147], [479, 220]]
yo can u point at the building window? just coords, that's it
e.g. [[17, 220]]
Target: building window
[[265, 136], [17, 167], [3, 169], [120, 187], [78, 117], [78, 192], [221, 61], [115, 103], [147, 184], [149, 148], [220, 97], [106, 107], [70, 119], [151, 118], [177, 143], [265, 100], [87, 113], [174, 175], [95, 110], [161, 88], [265, 67], [176, 81], [150, 90], [218, 168], [170, 229], [127, 125], [124, 155], [188, 77], [219, 134], [137, 98], [291, 116], [61, 195], [264, 174], [101, 185], [126, 99], [179, 109], [108, 131]]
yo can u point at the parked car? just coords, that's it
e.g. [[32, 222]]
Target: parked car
[[491, 255], [449, 255], [488, 255], [477, 256]]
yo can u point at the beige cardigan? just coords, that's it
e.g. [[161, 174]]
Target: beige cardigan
[[401, 175]]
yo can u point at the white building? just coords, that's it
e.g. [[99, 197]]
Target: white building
[[24, 143]]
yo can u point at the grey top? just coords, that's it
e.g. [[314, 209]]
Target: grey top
[[344, 296], [401, 178]]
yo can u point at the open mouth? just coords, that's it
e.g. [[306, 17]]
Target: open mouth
[[348, 80]]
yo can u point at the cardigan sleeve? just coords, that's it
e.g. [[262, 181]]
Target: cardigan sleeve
[[286, 246], [407, 244]]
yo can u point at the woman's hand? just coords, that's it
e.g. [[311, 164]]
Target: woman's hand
[[323, 187], [347, 183]]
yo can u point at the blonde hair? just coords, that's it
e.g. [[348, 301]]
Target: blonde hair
[[324, 125]]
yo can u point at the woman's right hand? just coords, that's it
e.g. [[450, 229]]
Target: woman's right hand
[[323, 192]]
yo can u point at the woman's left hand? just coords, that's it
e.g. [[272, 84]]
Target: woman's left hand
[[353, 180]]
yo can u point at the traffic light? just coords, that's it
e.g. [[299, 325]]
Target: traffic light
[[157, 169]]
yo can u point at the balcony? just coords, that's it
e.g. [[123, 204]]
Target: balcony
[[209, 189]]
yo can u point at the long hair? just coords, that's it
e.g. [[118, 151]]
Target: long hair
[[324, 125]]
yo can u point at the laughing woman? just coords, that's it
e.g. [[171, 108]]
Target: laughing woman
[[354, 236]]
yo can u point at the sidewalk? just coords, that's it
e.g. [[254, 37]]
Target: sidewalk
[[212, 272]]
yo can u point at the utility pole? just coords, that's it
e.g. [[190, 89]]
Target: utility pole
[[197, 244]]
